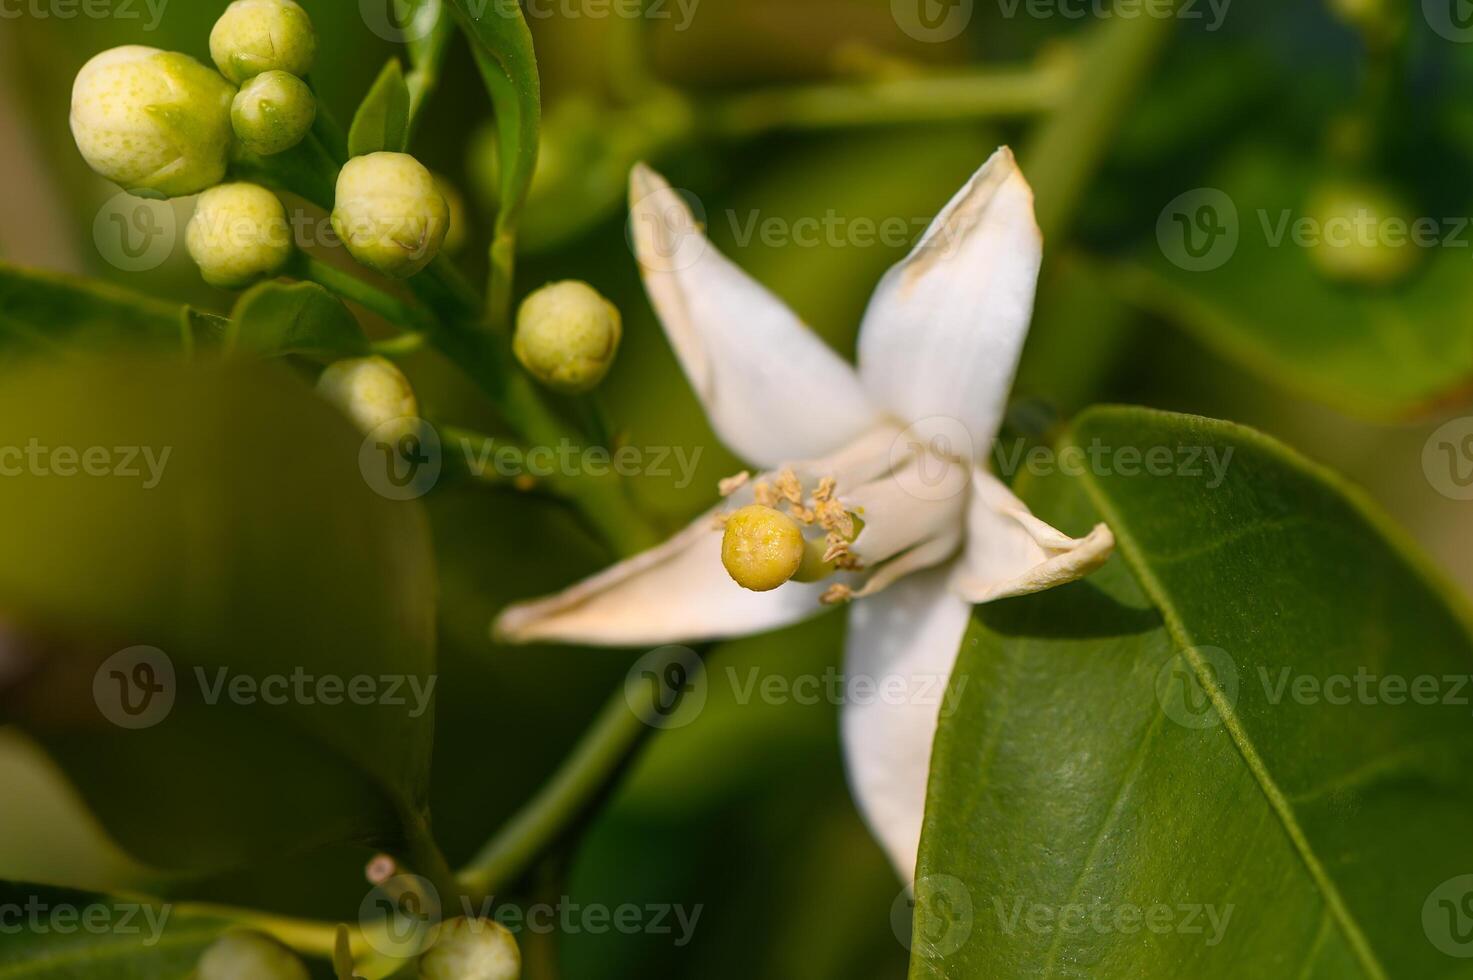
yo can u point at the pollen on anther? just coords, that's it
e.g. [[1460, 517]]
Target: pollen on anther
[[732, 484], [836, 594]]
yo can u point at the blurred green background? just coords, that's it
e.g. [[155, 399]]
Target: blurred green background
[[1281, 104]]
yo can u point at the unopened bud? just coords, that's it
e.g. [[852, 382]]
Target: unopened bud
[[152, 121], [567, 336], [472, 949], [273, 112], [249, 956], [371, 391], [238, 235], [389, 213], [1364, 234], [255, 36]]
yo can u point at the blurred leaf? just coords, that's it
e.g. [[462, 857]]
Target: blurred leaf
[[1377, 351], [70, 935], [48, 311], [273, 319], [382, 120], [232, 530], [427, 47], [1139, 743], [503, 49]]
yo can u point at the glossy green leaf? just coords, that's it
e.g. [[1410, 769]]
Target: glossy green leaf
[[57, 934], [382, 120], [273, 319], [503, 49], [219, 515], [427, 46], [48, 312], [1238, 275], [1171, 769]]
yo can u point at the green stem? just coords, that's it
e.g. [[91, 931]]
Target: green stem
[[426, 859], [371, 298], [401, 346], [991, 93], [503, 271]]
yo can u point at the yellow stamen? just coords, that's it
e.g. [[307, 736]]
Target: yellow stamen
[[761, 548], [766, 495], [836, 594], [732, 484]]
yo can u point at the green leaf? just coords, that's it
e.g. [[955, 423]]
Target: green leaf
[[427, 47], [1376, 351], [48, 312], [503, 49], [273, 319], [72, 935], [228, 525], [1170, 737], [382, 120]]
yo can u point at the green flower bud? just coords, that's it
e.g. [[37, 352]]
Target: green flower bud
[[389, 213], [371, 391], [567, 336], [249, 956], [273, 112], [1363, 234], [238, 235], [465, 949], [152, 121], [255, 36]]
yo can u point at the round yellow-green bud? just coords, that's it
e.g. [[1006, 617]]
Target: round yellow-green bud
[[1365, 235], [238, 235], [762, 548], [567, 336], [371, 391], [389, 213], [152, 121], [273, 112], [255, 36], [249, 956], [472, 949]]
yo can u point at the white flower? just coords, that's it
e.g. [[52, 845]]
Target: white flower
[[900, 445]]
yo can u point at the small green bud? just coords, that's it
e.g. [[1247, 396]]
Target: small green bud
[[238, 235], [389, 213], [371, 391], [1363, 234], [249, 956], [567, 336], [273, 112], [152, 121], [255, 36], [465, 949]]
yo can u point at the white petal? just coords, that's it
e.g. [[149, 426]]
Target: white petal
[[945, 328], [676, 592], [771, 388], [904, 640], [1010, 552], [899, 514]]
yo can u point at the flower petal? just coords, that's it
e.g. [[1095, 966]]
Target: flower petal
[[770, 386], [899, 513], [903, 641], [676, 592], [945, 328], [1010, 552]]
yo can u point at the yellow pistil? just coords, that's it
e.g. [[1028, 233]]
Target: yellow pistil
[[761, 548]]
